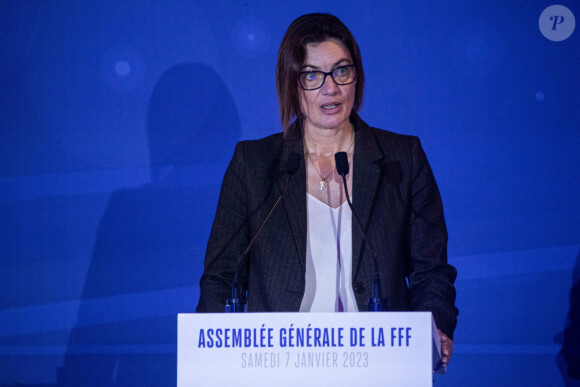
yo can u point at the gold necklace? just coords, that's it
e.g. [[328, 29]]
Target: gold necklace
[[323, 180]]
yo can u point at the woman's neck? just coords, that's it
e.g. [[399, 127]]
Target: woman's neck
[[326, 142]]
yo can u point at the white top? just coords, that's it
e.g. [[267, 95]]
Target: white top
[[328, 259]]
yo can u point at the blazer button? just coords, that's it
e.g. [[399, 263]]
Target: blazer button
[[359, 287]]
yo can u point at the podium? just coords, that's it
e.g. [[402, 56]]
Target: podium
[[322, 349]]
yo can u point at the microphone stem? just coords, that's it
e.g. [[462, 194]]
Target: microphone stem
[[376, 281], [237, 302], [235, 283]]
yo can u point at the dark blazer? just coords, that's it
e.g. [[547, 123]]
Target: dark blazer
[[398, 202]]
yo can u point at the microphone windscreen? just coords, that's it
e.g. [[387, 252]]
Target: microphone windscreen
[[341, 160], [292, 163]]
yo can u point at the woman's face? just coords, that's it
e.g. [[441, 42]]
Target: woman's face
[[329, 106]]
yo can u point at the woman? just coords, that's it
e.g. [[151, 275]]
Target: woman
[[309, 257]]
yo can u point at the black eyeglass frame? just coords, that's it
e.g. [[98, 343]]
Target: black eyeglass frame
[[326, 74]]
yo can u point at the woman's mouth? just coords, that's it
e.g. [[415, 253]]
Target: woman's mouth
[[330, 107]]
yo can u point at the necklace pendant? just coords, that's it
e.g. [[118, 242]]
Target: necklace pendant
[[323, 184]]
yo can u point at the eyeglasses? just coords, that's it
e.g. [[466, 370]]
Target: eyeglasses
[[342, 75]]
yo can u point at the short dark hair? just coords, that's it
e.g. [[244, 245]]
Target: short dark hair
[[310, 28]]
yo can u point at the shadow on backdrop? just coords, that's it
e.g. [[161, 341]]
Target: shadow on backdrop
[[148, 253], [569, 356]]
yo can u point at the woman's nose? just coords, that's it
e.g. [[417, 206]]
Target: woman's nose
[[330, 87]]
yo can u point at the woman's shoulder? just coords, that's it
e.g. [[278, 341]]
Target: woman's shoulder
[[387, 137], [266, 142], [260, 151], [262, 147]]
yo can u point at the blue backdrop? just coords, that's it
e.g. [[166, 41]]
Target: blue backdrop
[[117, 121]]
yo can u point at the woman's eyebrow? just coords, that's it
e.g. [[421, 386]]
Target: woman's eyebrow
[[318, 68]]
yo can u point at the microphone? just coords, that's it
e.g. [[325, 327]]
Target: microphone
[[237, 304], [375, 303]]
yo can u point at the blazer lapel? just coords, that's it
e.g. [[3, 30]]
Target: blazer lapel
[[368, 172], [295, 197]]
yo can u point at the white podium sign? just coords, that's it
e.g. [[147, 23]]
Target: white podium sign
[[322, 349]]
